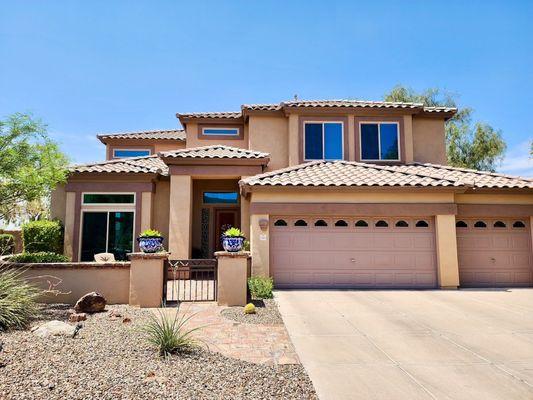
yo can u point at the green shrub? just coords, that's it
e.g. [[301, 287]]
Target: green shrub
[[150, 233], [43, 236], [18, 300], [40, 257], [7, 243], [168, 332], [233, 232], [260, 287]]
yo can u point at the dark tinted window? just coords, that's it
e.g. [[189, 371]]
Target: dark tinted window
[[280, 222], [461, 224], [300, 222], [422, 224], [480, 224], [402, 224], [519, 224], [381, 224], [341, 222], [499, 224], [313, 142], [361, 223], [104, 198], [369, 142], [321, 222]]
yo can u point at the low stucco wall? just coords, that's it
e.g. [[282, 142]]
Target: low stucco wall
[[73, 280]]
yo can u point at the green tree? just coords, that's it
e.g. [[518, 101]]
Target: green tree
[[31, 164], [477, 146]]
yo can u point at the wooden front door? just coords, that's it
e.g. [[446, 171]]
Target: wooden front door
[[224, 218]]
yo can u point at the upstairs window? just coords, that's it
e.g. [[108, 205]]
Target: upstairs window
[[220, 131], [323, 141], [124, 153], [380, 141]]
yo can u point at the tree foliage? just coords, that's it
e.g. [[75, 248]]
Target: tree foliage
[[468, 145], [31, 164]]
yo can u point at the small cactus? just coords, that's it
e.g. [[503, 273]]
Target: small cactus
[[249, 308]]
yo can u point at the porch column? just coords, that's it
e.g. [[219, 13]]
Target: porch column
[[260, 244], [180, 217], [70, 217], [447, 260], [146, 211]]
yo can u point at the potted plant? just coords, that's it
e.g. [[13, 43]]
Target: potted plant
[[150, 241], [232, 240]]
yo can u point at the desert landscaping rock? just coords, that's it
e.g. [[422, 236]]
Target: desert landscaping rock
[[91, 303], [129, 368], [266, 312], [53, 328], [77, 317]]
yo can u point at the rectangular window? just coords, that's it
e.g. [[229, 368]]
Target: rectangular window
[[221, 197], [107, 232], [220, 131], [117, 153], [380, 141], [108, 198], [323, 141]]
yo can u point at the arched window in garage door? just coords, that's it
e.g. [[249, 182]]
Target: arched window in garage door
[[280, 222]]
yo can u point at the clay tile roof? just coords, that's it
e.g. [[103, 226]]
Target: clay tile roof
[[262, 107], [221, 115], [137, 165], [351, 104], [347, 173], [214, 151], [164, 134]]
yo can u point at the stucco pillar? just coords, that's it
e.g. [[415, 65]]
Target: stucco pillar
[[146, 279], [294, 150], [447, 261], [245, 217], [70, 216], [180, 216], [260, 244], [146, 210], [232, 278]]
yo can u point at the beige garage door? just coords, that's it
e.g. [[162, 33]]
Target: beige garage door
[[315, 252], [494, 252]]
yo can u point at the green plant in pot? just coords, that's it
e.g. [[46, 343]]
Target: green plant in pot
[[150, 241], [233, 240]]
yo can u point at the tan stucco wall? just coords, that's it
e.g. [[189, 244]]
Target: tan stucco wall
[[194, 141], [408, 137], [337, 196], [73, 283], [494, 198], [294, 149], [180, 216], [271, 135], [429, 140], [164, 146], [260, 245], [69, 222], [57, 203], [446, 243], [146, 210], [146, 280], [161, 209], [232, 277]]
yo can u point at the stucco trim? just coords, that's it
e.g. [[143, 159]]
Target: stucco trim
[[216, 170], [399, 120], [359, 209], [494, 210]]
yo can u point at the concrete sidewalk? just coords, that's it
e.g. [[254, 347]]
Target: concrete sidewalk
[[466, 344]]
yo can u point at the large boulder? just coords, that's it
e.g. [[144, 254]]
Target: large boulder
[[54, 328], [90, 303]]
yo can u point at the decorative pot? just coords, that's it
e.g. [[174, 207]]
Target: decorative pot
[[151, 244], [232, 244]]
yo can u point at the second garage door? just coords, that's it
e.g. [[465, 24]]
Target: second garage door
[[315, 252]]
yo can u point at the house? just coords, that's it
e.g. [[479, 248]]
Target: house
[[330, 193]]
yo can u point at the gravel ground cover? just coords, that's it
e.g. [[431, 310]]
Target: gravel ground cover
[[266, 313], [109, 359]]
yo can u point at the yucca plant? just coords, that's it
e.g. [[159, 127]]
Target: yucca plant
[[169, 333], [18, 299]]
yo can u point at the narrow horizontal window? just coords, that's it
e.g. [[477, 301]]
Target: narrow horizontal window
[[361, 223], [280, 222], [380, 141], [221, 197], [422, 224], [220, 131], [341, 222], [130, 153], [108, 198], [300, 222], [480, 224], [519, 224], [323, 141], [461, 224]]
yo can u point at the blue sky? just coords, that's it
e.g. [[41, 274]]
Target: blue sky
[[105, 66]]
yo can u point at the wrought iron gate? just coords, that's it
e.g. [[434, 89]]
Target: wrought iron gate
[[190, 280]]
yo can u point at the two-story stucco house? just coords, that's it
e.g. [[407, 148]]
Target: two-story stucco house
[[330, 193]]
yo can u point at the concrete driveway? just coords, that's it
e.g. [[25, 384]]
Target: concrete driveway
[[466, 344]]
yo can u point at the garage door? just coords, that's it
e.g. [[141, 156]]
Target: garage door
[[494, 252], [315, 252]]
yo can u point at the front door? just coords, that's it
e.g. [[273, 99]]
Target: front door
[[224, 218]]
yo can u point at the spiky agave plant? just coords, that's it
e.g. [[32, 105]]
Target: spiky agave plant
[[169, 333], [18, 299]]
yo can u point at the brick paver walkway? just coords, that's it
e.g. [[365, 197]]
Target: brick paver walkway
[[261, 344]]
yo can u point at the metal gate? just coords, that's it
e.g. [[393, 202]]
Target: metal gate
[[190, 280]]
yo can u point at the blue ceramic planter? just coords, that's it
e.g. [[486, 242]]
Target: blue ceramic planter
[[232, 244], [150, 244]]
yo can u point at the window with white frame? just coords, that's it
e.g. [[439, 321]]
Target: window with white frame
[[379, 141], [125, 153], [220, 131], [107, 224], [323, 141]]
